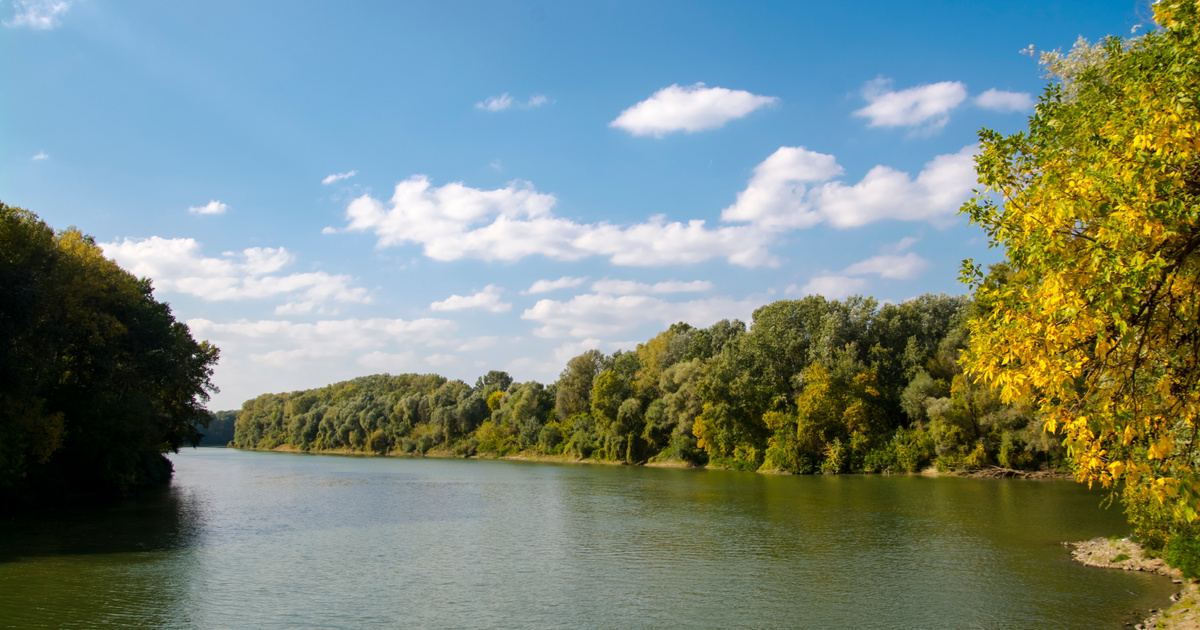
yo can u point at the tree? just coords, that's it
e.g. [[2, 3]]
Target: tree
[[575, 383], [97, 379], [1096, 317]]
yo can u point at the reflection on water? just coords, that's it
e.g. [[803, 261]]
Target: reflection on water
[[267, 540], [115, 566]]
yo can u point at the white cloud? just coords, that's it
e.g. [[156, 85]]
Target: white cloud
[[38, 14], [904, 267], [397, 362], [488, 299], [453, 222], [337, 177], [495, 103], [775, 196], [546, 286], [440, 360], [792, 189], [212, 207], [899, 246], [927, 105], [282, 343], [831, 287], [329, 229], [603, 315], [629, 287], [177, 265], [885, 193], [41, 155], [848, 281], [506, 101], [477, 343], [1002, 101], [690, 108]]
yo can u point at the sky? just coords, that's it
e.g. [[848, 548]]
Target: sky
[[327, 190]]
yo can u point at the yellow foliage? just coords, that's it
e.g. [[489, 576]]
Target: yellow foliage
[[1096, 317]]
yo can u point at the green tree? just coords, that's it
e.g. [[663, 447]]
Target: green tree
[[575, 383], [97, 379]]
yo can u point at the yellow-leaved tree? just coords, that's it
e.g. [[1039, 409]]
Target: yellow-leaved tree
[[1095, 315]]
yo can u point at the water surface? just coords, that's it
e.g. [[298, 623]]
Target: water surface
[[273, 540]]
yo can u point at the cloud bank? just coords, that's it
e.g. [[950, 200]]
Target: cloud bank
[[177, 265]]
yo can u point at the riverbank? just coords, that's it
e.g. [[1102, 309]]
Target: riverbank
[[990, 472], [1126, 555]]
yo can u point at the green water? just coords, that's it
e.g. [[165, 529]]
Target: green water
[[272, 540]]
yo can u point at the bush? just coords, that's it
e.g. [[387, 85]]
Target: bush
[[1183, 552]]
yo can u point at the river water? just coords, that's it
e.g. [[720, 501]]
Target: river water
[[274, 540]]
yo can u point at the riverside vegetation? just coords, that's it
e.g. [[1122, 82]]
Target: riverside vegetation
[[811, 386]]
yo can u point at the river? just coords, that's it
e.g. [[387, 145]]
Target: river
[[275, 540]]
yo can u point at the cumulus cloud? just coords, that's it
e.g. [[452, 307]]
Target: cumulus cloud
[[546, 286], [212, 207], [776, 197], [601, 315], [488, 299], [924, 105], [41, 155], [282, 343], [1002, 101], [337, 177], [886, 193], [39, 15], [689, 108], [629, 287], [505, 101], [178, 265], [454, 222], [793, 188]]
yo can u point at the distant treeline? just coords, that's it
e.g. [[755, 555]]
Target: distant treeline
[[219, 431], [812, 386]]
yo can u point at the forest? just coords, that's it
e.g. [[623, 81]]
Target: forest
[[810, 386]]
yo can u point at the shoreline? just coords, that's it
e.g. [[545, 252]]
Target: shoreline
[[990, 472], [1126, 555]]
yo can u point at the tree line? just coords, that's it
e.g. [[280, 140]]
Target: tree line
[[811, 385]]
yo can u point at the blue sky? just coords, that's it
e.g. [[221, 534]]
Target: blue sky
[[332, 189]]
